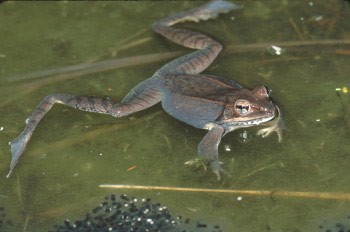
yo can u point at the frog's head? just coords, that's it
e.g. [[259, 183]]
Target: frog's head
[[247, 108]]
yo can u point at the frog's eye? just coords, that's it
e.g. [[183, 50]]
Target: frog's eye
[[242, 107]]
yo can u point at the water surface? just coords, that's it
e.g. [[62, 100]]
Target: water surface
[[72, 152]]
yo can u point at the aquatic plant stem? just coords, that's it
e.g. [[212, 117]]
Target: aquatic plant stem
[[286, 44], [90, 68], [25, 223], [296, 29], [70, 72], [270, 193]]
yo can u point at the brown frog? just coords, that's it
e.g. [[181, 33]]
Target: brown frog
[[208, 102]]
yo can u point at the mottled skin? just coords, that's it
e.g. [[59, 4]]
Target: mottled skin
[[203, 101]]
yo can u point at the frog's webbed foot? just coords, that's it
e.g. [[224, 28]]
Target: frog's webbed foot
[[211, 10], [197, 162], [276, 125], [205, 12], [268, 130], [17, 147], [215, 166], [208, 149]]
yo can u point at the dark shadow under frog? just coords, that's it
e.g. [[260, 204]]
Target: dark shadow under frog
[[208, 102]]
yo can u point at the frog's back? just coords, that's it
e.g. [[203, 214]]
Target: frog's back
[[200, 86], [196, 99]]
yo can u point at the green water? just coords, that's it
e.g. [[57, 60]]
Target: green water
[[71, 153]]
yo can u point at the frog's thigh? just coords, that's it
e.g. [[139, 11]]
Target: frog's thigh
[[142, 96], [208, 147]]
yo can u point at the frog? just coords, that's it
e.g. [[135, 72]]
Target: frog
[[210, 102]]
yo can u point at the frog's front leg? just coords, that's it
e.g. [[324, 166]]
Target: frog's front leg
[[141, 97], [276, 125], [208, 148]]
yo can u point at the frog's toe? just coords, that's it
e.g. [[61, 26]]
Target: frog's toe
[[268, 130], [197, 163], [217, 173], [265, 132], [279, 134], [217, 169]]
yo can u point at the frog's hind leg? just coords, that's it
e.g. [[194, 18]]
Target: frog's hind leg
[[144, 95], [198, 61], [141, 97]]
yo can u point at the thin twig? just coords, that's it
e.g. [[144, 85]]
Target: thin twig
[[257, 170], [135, 43], [290, 194], [127, 39], [167, 142], [342, 52], [296, 28], [286, 44], [19, 192], [25, 224], [89, 68], [70, 72]]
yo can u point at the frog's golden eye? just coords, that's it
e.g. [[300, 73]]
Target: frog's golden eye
[[242, 107]]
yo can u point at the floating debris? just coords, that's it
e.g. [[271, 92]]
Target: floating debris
[[227, 148], [124, 213], [344, 90], [275, 50]]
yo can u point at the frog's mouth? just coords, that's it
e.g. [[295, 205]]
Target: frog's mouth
[[231, 125], [248, 123]]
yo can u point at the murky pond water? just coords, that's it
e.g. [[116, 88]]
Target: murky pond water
[[72, 152]]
